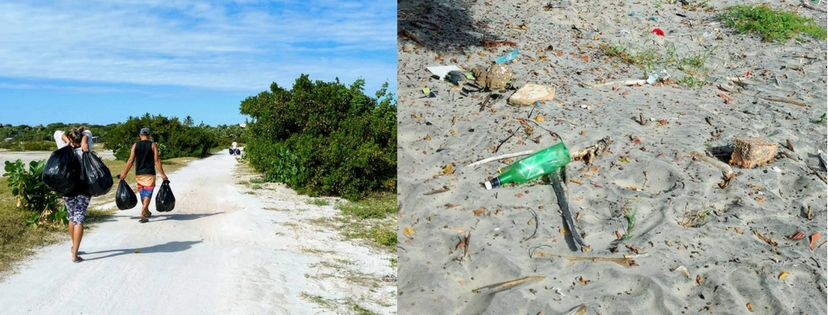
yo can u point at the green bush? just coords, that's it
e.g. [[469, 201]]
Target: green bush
[[323, 138], [172, 137], [772, 25], [31, 193]]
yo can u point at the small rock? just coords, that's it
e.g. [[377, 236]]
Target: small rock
[[494, 78], [750, 152], [531, 93]]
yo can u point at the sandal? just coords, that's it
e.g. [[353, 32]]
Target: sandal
[[78, 259], [143, 220]]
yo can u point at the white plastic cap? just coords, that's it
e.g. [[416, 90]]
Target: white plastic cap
[[488, 185]]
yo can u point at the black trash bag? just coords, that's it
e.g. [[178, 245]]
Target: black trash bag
[[124, 197], [165, 200], [238, 152], [231, 151], [62, 171], [96, 174]]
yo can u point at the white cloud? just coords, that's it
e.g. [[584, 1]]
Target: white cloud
[[230, 45]]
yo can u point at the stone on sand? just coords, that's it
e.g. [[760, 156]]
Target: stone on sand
[[750, 152], [531, 93]]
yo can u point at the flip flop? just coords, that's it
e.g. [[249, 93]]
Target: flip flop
[[143, 220], [77, 260]]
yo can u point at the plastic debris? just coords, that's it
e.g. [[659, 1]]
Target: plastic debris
[[623, 32], [441, 71], [655, 77], [652, 18], [658, 31], [508, 57]]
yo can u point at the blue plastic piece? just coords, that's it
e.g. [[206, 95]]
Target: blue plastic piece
[[508, 57]]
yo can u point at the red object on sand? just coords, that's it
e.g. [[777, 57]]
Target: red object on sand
[[658, 31]]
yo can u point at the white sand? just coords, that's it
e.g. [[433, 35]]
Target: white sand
[[735, 268]]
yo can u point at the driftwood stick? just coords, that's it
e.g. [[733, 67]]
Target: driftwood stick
[[623, 82], [783, 101], [506, 285], [501, 157], [805, 4], [625, 261], [727, 172]]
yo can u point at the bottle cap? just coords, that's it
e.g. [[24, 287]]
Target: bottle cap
[[488, 185]]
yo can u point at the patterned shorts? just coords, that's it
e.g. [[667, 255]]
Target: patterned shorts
[[76, 206]]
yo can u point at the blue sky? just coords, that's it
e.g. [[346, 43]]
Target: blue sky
[[100, 62]]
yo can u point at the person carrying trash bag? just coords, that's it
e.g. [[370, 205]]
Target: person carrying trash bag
[[144, 155], [77, 199]]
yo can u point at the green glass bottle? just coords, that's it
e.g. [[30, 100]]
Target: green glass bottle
[[531, 167]]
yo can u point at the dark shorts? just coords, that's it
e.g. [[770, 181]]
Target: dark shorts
[[76, 206]]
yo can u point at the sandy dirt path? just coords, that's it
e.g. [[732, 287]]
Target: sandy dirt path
[[222, 250]]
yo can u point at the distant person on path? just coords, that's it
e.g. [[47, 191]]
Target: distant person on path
[[234, 150], [145, 157], [76, 200]]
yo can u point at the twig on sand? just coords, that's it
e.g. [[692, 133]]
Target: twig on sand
[[578, 310], [537, 224], [623, 82], [727, 172], [625, 261], [818, 174], [805, 4], [437, 191], [783, 101], [497, 287], [507, 138], [501, 157], [588, 154]]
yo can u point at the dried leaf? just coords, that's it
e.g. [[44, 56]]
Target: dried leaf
[[764, 239], [749, 307], [447, 169], [428, 137], [699, 280], [137, 250], [738, 230], [783, 275], [578, 198], [575, 181], [481, 54], [418, 118], [757, 187], [479, 211], [539, 118], [408, 231], [564, 231], [583, 281], [760, 199], [636, 140], [618, 234], [594, 169], [623, 159], [814, 238], [578, 216], [796, 236]]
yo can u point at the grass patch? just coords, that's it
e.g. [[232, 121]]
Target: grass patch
[[772, 25], [651, 61], [319, 202], [316, 299], [630, 216], [371, 219], [376, 206], [695, 218], [362, 311]]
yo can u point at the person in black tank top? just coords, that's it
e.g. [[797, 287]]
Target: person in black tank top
[[145, 157]]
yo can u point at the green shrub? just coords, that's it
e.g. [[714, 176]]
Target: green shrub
[[172, 137], [31, 193], [323, 138]]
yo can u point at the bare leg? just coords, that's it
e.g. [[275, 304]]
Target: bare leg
[[77, 235], [72, 236], [145, 209]]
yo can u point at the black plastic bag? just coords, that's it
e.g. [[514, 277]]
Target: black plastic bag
[[96, 174], [165, 200], [231, 151], [124, 197], [62, 171]]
